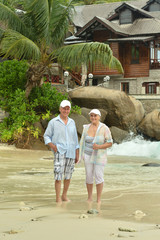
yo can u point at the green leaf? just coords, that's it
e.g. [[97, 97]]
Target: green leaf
[[115, 64], [18, 46], [12, 20], [38, 11], [88, 53], [60, 18]]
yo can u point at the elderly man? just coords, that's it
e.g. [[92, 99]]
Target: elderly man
[[61, 137]]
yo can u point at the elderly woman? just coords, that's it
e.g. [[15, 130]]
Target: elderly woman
[[95, 140]]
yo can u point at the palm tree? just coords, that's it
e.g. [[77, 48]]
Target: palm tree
[[38, 34]]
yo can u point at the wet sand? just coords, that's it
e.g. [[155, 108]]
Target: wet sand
[[130, 202]]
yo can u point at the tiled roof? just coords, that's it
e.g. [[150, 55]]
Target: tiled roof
[[83, 14], [135, 8], [111, 25], [155, 14], [142, 26]]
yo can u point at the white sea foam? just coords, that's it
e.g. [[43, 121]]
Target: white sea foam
[[138, 146]]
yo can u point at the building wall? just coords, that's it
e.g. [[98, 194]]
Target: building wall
[[135, 74], [103, 36], [135, 70], [115, 49], [122, 51], [115, 83], [154, 76], [149, 102], [135, 84], [101, 70]]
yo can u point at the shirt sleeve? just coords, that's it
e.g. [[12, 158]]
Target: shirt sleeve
[[48, 133], [81, 149], [77, 144], [108, 136]]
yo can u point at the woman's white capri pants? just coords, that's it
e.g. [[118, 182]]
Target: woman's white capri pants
[[93, 170]]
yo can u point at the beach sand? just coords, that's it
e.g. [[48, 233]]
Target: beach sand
[[130, 205], [56, 223]]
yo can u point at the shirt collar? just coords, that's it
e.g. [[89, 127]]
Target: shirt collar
[[59, 119]]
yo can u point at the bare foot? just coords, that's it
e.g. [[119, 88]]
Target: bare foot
[[99, 207], [65, 199], [90, 203], [89, 200], [58, 200]]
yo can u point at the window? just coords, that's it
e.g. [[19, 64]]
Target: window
[[125, 87], [134, 54], [151, 88], [125, 16]]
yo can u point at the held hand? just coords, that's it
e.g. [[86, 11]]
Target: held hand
[[76, 160], [96, 146], [53, 147], [77, 156]]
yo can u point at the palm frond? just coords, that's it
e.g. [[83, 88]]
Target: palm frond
[[60, 20], [38, 13], [88, 53], [11, 19], [115, 64], [50, 3], [1, 33], [16, 45]]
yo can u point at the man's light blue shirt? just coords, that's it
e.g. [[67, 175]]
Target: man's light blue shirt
[[63, 136]]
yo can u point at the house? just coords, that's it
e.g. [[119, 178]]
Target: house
[[132, 29]]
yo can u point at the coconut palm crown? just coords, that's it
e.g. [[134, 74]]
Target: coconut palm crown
[[37, 34]]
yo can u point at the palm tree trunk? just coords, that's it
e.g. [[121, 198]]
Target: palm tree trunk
[[28, 90], [35, 77], [84, 73]]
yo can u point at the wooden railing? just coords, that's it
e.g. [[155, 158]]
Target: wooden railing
[[56, 78], [52, 79], [76, 77], [155, 64]]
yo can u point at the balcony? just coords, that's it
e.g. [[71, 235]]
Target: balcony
[[154, 63]]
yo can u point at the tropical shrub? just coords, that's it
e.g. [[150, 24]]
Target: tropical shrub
[[12, 76], [19, 127], [25, 112], [22, 117], [47, 98]]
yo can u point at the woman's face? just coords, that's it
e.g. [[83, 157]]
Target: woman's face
[[94, 118]]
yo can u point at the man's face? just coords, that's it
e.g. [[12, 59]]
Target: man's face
[[64, 111]]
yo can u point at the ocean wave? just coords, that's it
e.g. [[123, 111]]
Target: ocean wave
[[138, 147]]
